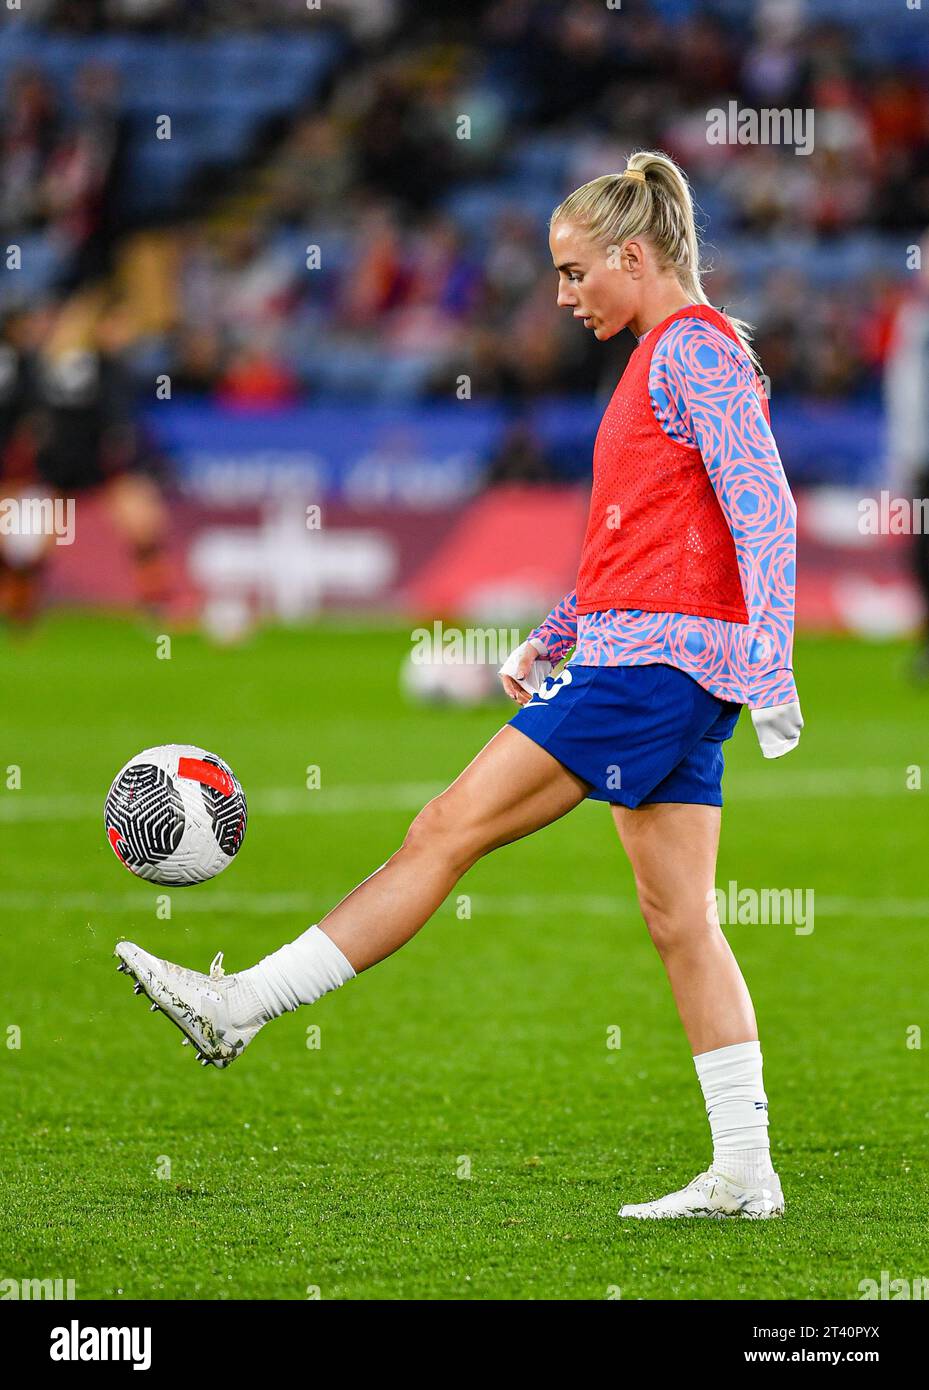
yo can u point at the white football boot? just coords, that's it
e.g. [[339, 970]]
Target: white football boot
[[714, 1195], [215, 1012]]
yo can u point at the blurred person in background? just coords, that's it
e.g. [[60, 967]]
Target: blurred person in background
[[906, 386], [314, 172], [257, 378], [71, 431], [20, 558], [83, 181], [28, 134], [521, 458]]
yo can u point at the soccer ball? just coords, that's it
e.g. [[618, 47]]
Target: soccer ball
[[175, 815], [438, 682]]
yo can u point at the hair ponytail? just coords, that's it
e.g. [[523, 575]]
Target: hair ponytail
[[657, 203]]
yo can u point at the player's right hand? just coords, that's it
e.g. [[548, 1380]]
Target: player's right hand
[[524, 670]]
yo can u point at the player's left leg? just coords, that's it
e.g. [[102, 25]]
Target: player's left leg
[[672, 849]]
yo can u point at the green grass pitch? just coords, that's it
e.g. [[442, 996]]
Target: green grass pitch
[[463, 1130]]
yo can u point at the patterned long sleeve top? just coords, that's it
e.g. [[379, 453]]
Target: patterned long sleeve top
[[701, 390]]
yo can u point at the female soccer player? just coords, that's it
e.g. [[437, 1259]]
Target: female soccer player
[[682, 613]]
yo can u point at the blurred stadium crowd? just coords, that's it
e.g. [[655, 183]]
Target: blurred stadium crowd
[[351, 202], [433, 258]]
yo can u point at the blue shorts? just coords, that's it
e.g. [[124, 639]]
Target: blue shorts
[[637, 734]]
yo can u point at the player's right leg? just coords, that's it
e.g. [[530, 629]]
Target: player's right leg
[[512, 788]]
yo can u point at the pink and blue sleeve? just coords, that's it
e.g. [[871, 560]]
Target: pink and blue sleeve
[[703, 392], [559, 630]]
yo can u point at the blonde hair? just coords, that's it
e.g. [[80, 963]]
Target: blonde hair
[[656, 203]]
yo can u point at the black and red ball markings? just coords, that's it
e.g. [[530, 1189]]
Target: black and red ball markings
[[223, 797], [144, 816]]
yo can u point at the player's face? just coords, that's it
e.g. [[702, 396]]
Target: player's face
[[594, 282]]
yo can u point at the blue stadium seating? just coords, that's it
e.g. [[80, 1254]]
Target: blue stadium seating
[[217, 91]]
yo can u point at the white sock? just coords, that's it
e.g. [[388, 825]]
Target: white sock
[[245, 1008], [738, 1110], [299, 973]]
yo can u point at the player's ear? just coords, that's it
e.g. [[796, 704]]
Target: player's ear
[[632, 258]]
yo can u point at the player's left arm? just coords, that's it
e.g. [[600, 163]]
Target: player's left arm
[[706, 388]]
